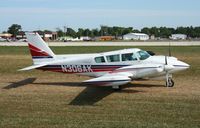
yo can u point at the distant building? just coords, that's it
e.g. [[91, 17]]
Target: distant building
[[106, 38], [21, 35], [152, 37], [45, 35], [178, 37], [65, 38], [5, 35], [136, 36], [85, 38], [50, 36]]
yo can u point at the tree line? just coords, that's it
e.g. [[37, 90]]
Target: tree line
[[163, 32], [116, 31]]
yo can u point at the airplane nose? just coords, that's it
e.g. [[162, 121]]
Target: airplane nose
[[185, 65], [180, 65]]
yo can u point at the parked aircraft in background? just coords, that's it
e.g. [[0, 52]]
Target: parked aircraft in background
[[115, 68]]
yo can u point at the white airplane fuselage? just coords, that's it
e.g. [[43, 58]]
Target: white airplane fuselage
[[84, 64]]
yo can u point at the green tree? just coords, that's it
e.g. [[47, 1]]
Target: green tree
[[181, 30], [197, 32], [164, 32], [146, 31], [136, 31], [95, 32], [127, 30], [155, 31], [47, 31], [80, 32], [87, 32], [71, 32], [14, 29], [104, 30], [59, 32]]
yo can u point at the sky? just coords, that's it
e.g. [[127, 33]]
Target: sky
[[52, 14]]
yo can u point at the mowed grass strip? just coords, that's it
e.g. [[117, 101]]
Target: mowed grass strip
[[56, 100]]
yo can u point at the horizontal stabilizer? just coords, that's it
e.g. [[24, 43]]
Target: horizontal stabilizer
[[42, 64], [32, 67]]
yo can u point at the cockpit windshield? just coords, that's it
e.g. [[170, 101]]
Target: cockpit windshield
[[142, 55]]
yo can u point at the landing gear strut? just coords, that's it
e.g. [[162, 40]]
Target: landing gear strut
[[117, 88], [169, 82]]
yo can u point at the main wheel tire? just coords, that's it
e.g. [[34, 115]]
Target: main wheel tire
[[170, 83], [117, 89]]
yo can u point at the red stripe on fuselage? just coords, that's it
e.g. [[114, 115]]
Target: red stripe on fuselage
[[59, 69]]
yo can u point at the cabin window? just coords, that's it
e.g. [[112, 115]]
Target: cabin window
[[128, 57], [113, 58], [143, 55], [100, 59]]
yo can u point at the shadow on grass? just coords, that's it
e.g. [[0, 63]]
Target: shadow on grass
[[70, 84], [130, 85], [92, 94], [20, 83], [80, 84]]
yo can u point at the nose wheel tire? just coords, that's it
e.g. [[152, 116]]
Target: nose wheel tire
[[170, 83]]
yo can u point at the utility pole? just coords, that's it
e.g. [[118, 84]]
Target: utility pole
[[65, 30]]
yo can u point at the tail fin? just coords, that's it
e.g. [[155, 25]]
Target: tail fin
[[39, 50]]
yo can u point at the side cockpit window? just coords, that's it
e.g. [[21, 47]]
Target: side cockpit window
[[143, 55], [100, 59], [113, 58], [128, 57]]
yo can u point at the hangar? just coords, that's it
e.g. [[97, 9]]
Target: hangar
[[136, 36], [178, 37]]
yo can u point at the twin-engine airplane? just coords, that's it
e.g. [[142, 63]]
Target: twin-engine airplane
[[115, 68]]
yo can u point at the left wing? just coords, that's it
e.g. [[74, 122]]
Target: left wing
[[111, 79]]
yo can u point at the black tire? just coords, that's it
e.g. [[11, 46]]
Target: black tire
[[170, 82], [117, 89]]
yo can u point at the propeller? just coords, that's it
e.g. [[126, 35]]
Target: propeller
[[167, 73]]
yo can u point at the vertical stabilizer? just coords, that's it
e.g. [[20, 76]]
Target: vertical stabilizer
[[39, 49]]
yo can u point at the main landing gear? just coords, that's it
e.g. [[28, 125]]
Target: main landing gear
[[169, 82], [117, 88]]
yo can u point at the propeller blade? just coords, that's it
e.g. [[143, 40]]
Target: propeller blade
[[166, 60]]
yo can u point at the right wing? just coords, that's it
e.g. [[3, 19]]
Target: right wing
[[112, 79]]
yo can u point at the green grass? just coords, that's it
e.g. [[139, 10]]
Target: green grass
[[5, 50], [52, 101]]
